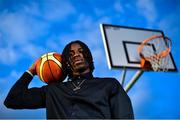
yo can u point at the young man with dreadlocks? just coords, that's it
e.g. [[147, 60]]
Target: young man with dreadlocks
[[82, 96]]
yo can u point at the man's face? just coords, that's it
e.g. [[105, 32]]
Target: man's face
[[78, 63]]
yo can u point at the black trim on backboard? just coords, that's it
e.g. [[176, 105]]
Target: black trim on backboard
[[126, 51], [175, 68], [104, 26], [135, 43], [136, 28]]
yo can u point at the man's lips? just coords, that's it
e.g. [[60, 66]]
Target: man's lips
[[77, 61]]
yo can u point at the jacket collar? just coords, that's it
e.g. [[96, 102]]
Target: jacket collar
[[83, 76]]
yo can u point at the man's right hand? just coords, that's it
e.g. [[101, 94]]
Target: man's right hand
[[32, 69]]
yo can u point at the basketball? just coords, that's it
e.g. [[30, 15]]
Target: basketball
[[49, 68]]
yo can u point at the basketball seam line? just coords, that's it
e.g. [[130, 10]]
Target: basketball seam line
[[50, 67]]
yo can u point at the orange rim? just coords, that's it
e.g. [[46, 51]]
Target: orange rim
[[159, 56]]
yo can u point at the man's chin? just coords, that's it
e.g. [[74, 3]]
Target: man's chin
[[80, 68]]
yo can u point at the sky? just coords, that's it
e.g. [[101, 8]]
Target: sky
[[30, 28]]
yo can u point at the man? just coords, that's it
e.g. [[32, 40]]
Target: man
[[82, 96]]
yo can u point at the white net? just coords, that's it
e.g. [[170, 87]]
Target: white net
[[152, 52], [160, 64]]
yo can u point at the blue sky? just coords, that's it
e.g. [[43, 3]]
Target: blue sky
[[30, 28]]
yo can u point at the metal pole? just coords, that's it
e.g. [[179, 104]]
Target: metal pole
[[133, 80], [123, 76]]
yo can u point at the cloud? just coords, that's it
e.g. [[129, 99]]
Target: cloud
[[98, 12], [20, 28], [118, 7], [140, 93], [17, 31], [57, 10], [8, 80], [9, 56], [170, 26], [51, 10], [98, 55], [32, 50], [147, 9], [89, 28], [169, 22], [13, 27]]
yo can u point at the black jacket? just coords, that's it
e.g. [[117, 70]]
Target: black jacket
[[97, 98]]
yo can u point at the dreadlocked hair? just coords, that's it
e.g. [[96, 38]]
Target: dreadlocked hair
[[65, 57]]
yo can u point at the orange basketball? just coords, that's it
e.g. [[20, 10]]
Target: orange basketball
[[49, 67]]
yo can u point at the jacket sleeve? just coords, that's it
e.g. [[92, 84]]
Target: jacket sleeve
[[120, 103], [20, 97]]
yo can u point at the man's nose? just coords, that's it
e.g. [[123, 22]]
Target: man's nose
[[76, 54]]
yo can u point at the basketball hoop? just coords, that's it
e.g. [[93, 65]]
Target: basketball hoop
[[155, 59]]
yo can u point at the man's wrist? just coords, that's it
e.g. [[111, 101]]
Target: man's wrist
[[29, 73]]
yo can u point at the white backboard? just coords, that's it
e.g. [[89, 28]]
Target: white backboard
[[121, 45]]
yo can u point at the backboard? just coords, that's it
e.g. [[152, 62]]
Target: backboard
[[121, 45]]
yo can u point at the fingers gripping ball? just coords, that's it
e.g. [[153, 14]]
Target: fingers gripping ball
[[49, 67]]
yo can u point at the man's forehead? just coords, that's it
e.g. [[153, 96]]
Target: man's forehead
[[75, 46]]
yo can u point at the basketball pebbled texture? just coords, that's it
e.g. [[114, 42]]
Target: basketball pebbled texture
[[49, 67]]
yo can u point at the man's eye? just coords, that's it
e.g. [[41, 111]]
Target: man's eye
[[81, 51], [71, 54]]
